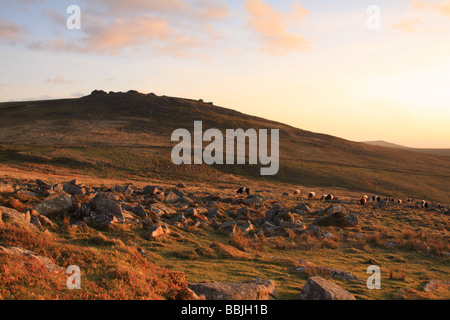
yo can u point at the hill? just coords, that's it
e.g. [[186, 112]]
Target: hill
[[89, 182], [127, 135], [441, 151]]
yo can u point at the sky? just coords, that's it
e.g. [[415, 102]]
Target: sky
[[360, 70]]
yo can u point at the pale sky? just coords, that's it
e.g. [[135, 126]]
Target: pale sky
[[312, 64]]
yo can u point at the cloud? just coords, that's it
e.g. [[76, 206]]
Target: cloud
[[113, 27], [441, 7], [112, 37], [271, 27], [206, 9], [424, 17], [11, 31], [407, 25], [58, 80]]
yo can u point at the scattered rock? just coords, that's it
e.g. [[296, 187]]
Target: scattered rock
[[54, 205], [249, 290], [158, 231], [108, 205], [229, 227], [332, 272], [302, 207], [413, 294], [160, 209], [150, 190], [49, 265], [139, 211], [13, 216], [171, 197], [102, 220], [247, 227], [337, 218], [271, 230], [6, 188], [334, 209], [435, 285], [317, 288], [17, 205], [254, 200], [74, 190]]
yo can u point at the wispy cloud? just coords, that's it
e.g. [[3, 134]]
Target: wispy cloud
[[173, 27], [272, 27], [58, 80], [423, 15], [408, 24], [11, 31], [441, 7]]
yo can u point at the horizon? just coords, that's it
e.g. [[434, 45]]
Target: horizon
[[312, 65]]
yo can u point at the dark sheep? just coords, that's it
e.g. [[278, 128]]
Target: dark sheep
[[242, 190]]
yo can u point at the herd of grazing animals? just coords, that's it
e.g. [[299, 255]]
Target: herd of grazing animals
[[363, 201]]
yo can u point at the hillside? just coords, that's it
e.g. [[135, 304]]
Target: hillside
[[127, 135]]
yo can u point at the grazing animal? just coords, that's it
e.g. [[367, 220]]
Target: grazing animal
[[242, 190], [329, 197], [322, 198], [376, 198], [410, 200], [363, 201], [141, 251], [297, 192], [424, 204], [399, 201], [312, 195], [366, 197]]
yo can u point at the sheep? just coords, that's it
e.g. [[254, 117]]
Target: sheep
[[376, 198], [366, 197], [312, 195], [424, 204], [323, 197], [242, 190], [329, 197], [399, 201], [363, 201], [297, 192]]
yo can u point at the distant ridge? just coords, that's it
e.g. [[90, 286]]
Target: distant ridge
[[381, 143]]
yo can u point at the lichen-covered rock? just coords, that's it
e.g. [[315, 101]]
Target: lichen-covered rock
[[335, 217], [317, 288], [332, 272], [254, 200], [249, 290], [102, 220], [108, 205], [158, 231], [13, 216], [54, 205], [48, 264]]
